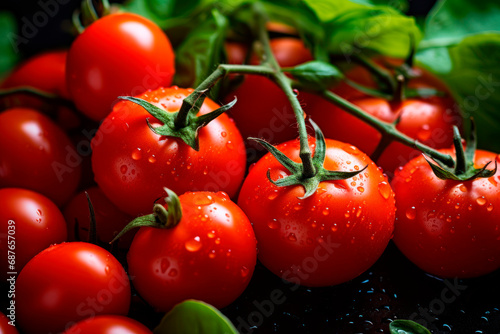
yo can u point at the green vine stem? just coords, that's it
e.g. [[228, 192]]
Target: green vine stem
[[48, 97]]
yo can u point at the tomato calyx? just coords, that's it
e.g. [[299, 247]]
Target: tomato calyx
[[300, 175], [463, 169], [89, 13], [183, 124], [163, 216]]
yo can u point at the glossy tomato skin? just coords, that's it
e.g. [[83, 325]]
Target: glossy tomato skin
[[119, 54], [69, 282], [132, 164], [263, 110], [33, 223], [210, 255], [430, 121], [448, 228], [37, 155], [109, 219], [108, 324], [45, 71], [5, 327], [330, 237]]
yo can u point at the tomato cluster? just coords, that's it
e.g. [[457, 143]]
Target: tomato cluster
[[230, 210]]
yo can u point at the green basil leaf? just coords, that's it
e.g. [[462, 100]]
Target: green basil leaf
[[317, 75], [353, 28], [452, 20], [192, 316], [202, 50], [162, 12], [9, 43], [472, 73], [401, 326]]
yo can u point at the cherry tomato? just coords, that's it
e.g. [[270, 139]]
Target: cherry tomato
[[430, 121], [210, 255], [330, 237], [45, 71], [119, 54], [448, 228], [109, 219], [69, 282], [5, 326], [108, 324], [132, 164], [37, 155], [263, 110], [30, 223]]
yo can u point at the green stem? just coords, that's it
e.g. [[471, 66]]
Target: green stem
[[285, 84], [221, 71], [378, 71], [386, 129]]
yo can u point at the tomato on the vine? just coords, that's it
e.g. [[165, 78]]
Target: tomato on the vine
[[429, 120], [37, 155], [209, 255], [329, 237], [119, 54], [132, 163], [263, 110], [30, 223], [69, 282], [108, 324], [109, 219], [448, 228]]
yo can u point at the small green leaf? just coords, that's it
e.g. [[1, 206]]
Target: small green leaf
[[9, 43], [401, 326], [192, 316], [317, 75], [202, 50]]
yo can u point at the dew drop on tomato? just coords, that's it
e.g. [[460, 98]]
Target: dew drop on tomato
[[384, 189], [193, 245], [411, 213], [273, 224], [481, 200], [137, 154]]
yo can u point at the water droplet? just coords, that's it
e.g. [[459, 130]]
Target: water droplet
[[217, 241], [297, 207], [424, 133], [164, 265], [273, 224], [272, 196], [347, 214], [229, 145], [211, 234], [384, 189], [292, 237], [334, 228], [244, 271], [490, 207], [411, 213], [106, 270], [203, 199], [296, 92], [326, 211], [152, 159], [193, 245], [123, 169], [137, 154], [481, 200], [462, 188], [205, 171], [361, 189], [223, 133], [452, 230]]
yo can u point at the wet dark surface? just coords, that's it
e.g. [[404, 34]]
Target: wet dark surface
[[392, 289]]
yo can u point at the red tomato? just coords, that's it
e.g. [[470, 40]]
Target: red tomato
[[132, 164], [69, 282], [5, 326], [108, 324], [109, 219], [119, 54], [263, 110], [210, 255], [333, 235], [30, 223], [428, 120], [45, 71], [37, 155], [448, 228]]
